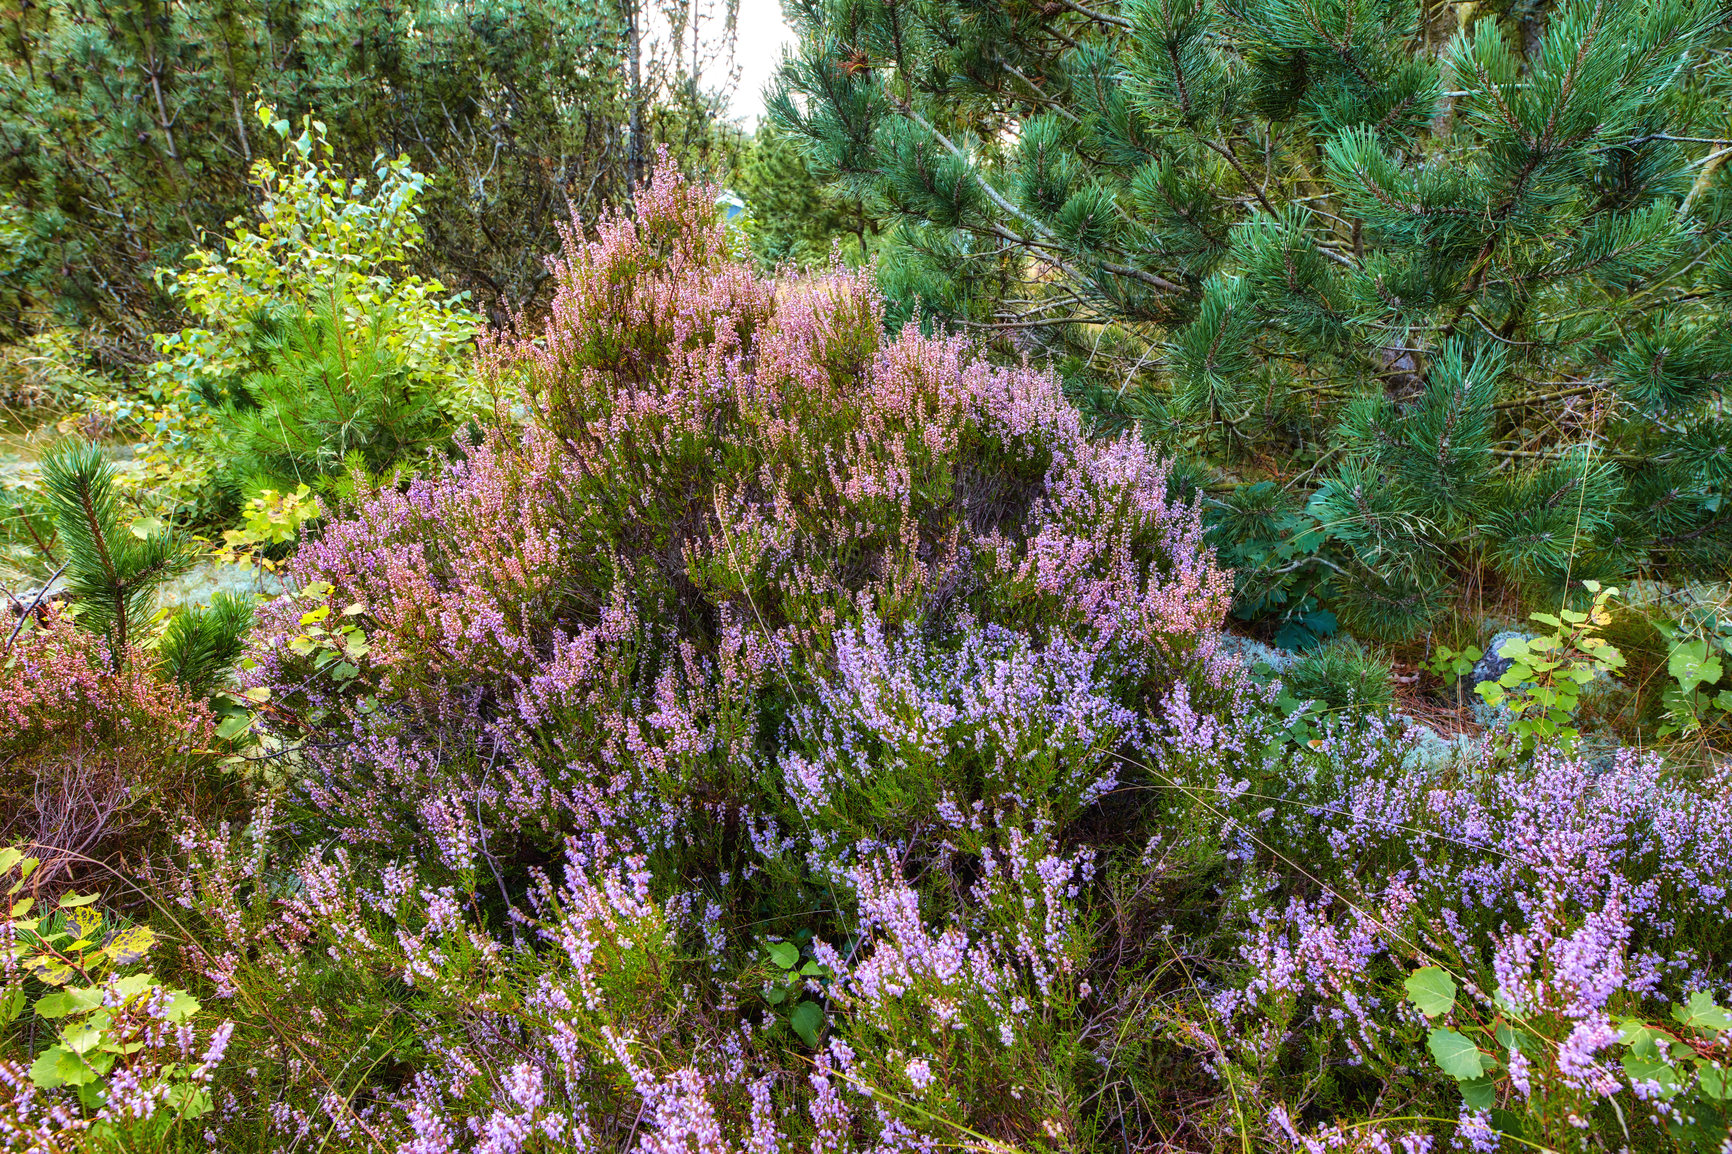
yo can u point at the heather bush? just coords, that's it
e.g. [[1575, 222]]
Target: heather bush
[[726, 477], [804, 737], [765, 616], [99, 759], [1570, 903]]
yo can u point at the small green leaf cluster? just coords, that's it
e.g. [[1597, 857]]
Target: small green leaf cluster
[[110, 1014], [333, 647], [786, 986], [1688, 1064], [1460, 1054], [1700, 694], [270, 520], [1270, 543], [1451, 665], [1544, 682]]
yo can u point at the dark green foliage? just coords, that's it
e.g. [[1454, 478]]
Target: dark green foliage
[[1459, 293], [1342, 674], [326, 394], [127, 132], [794, 219], [112, 574], [201, 645]]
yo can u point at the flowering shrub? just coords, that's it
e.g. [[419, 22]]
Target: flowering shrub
[[726, 477], [128, 1057], [1508, 931], [769, 629], [800, 737], [93, 759]]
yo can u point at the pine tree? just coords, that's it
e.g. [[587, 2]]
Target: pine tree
[[112, 575], [1432, 299], [794, 218], [328, 394], [127, 135]]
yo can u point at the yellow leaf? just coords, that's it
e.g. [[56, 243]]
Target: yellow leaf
[[83, 924], [127, 946], [73, 901], [50, 970]]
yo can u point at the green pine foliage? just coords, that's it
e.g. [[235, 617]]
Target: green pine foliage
[[202, 643], [794, 219], [328, 393], [112, 574], [1343, 675], [1432, 298], [126, 134]]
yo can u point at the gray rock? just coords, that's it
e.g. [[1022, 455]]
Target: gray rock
[[1252, 652], [1490, 668], [212, 577], [1432, 751]]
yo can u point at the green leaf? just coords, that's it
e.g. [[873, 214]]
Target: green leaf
[[1514, 1038], [1690, 665], [1459, 1058], [50, 970], [1642, 1039], [1652, 1070], [181, 1007], [1508, 1122], [187, 1101], [1480, 1093], [82, 1036], [784, 954], [73, 901], [11, 1005], [1432, 990], [82, 923], [776, 995], [1702, 1013], [55, 1005], [807, 1019], [234, 725], [58, 1066], [1715, 1083], [145, 528]]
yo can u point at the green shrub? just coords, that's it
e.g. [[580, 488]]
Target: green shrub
[[328, 394], [316, 342], [1342, 674]]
